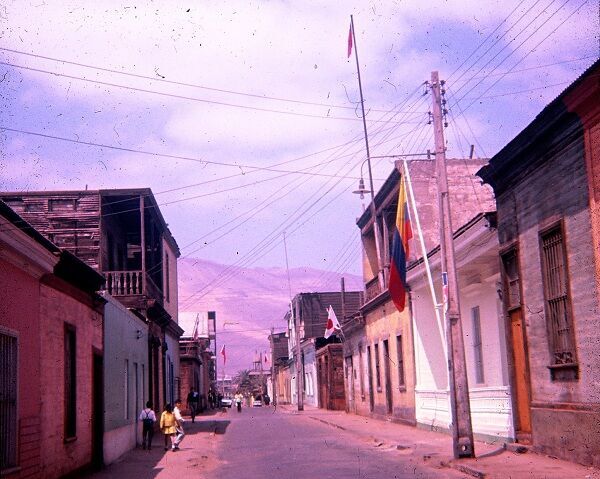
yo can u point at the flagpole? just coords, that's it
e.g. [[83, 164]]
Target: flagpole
[[436, 305], [373, 210]]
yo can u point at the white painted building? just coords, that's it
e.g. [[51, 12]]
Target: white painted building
[[476, 250]]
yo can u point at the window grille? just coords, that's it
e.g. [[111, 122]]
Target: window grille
[[558, 308], [8, 401]]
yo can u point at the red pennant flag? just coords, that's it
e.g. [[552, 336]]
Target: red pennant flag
[[223, 353], [350, 41]]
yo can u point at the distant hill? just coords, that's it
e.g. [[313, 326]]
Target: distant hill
[[249, 303]]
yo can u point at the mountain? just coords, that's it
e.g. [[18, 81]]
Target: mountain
[[249, 302]]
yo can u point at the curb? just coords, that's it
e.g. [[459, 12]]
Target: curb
[[328, 423]]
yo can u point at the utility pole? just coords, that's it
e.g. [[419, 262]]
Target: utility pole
[[462, 431], [274, 389], [299, 372]]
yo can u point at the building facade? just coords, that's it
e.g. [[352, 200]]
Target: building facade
[[476, 254], [51, 353], [546, 184], [123, 235]]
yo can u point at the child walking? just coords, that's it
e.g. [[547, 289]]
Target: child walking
[[148, 418], [168, 426]]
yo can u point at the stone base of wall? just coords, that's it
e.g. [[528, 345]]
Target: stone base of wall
[[568, 434], [118, 441]]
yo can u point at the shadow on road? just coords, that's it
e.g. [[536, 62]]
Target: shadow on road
[[217, 426]]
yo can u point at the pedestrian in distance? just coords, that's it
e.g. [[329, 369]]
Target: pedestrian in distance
[[168, 426], [238, 401], [193, 400], [179, 426], [148, 418]]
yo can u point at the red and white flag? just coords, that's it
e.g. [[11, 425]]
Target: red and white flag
[[223, 354], [350, 41], [332, 323]]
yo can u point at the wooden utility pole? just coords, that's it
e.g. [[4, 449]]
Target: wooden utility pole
[[462, 431], [273, 388]]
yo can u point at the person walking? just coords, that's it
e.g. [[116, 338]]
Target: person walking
[[148, 418], [238, 401], [168, 426], [193, 400], [179, 419]]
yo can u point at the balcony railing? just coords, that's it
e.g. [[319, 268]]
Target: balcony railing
[[372, 289], [130, 283]]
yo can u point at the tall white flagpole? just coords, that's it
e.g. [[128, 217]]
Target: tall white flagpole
[[436, 305]]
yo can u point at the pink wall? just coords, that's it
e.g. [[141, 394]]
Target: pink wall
[[19, 312]]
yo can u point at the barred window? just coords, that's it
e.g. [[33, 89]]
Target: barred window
[[8, 401], [556, 297]]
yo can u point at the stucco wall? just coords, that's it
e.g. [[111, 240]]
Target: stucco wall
[[125, 359], [381, 323], [19, 316], [311, 395], [57, 309]]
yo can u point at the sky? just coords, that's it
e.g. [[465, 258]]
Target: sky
[[244, 117]]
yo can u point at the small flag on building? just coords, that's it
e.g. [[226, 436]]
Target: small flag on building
[[332, 323], [223, 354], [266, 358]]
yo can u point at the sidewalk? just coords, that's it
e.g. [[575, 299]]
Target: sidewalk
[[492, 461]]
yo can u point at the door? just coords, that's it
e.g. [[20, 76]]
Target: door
[[522, 386], [350, 382], [388, 378], [370, 374], [97, 411]]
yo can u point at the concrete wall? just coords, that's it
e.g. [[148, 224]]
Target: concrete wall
[[357, 394], [59, 456], [171, 304], [479, 279], [172, 369], [125, 377], [385, 323], [311, 387]]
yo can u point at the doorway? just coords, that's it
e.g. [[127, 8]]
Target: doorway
[[522, 386], [97, 411], [388, 378]]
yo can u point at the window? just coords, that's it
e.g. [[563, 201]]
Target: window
[[512, 281], [400, 359], [377, 367], [167, 280], [8, 401], [126, 389], [477, 345], [62, 204], [70, 383], [557, 302], [361, 372]]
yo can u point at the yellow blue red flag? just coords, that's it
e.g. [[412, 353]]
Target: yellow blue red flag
[[402, 234]]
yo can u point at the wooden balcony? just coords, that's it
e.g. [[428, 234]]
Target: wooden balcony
[[131, 283], [372, 289]]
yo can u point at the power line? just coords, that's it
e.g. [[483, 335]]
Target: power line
[[182, 97], [179, 83], [166, 155]]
